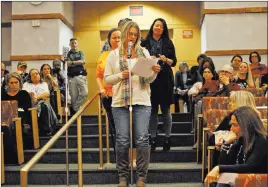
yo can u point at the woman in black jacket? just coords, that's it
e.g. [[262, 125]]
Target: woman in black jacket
[[158, 43], [249, 153]]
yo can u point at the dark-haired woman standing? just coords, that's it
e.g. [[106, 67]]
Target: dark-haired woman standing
[[159, 45]]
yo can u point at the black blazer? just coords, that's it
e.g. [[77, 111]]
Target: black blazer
[[162, 87], [179, 80]]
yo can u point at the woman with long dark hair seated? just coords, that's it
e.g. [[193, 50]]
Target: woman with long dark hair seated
[[47, 119], [249, 153], [52, 82]]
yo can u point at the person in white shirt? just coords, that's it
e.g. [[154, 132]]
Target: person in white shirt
[[38, 89], [117, 74]]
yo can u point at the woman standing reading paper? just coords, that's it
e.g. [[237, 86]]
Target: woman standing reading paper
[[117, 74]]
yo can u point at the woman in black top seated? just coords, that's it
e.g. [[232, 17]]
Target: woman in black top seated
[[244, 77], [14, 92], [249, 153]]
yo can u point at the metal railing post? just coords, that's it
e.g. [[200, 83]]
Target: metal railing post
[[25, 169], [79, 151], [107, 141], [100, 133]]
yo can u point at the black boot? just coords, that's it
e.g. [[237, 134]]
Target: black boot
[[122, 165], [167, 142], [153, 144], [143, 160]]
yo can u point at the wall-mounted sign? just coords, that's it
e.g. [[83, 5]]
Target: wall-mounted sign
[[186, 34], [136, 10]]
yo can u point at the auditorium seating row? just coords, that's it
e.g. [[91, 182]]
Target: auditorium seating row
[[214, 110], [10, 118]]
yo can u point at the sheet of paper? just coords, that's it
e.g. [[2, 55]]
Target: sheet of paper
[[143, 67]]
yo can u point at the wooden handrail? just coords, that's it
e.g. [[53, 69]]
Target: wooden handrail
[[24, 171]]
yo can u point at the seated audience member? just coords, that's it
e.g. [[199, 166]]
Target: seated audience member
[[264, 84], [208, 62], [21, 69], [14, 92], [52, 83], [47, 119], [237, 99], [194, 71], [205, 88], [248, 154], [225, 78], [3, 70], [59, 74], [235, 63], [256, 67], [201, 89], [3, 73], [182, 79], [244, 77]]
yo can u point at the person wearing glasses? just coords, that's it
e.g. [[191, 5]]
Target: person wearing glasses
[[158, 43], [225, 82], [258, 70], [255, 64], [117, 74], [248, 153]]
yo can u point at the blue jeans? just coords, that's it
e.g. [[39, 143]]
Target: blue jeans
[[141, 116]]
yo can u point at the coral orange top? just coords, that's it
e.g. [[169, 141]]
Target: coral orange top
[[100, 71], [260, 69]]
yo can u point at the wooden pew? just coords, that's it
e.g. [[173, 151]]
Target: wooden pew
[[10, 114]]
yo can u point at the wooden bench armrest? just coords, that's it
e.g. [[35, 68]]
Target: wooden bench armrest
[[19, 140], [210, 149], [35, 127]]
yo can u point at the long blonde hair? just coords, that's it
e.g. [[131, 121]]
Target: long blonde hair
[[124, 35], [249, 77], [243, 98]]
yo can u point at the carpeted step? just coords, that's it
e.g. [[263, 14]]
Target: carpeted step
[[55, 174], [91, 155], [176, 117], [92, 141], [177, 127]]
